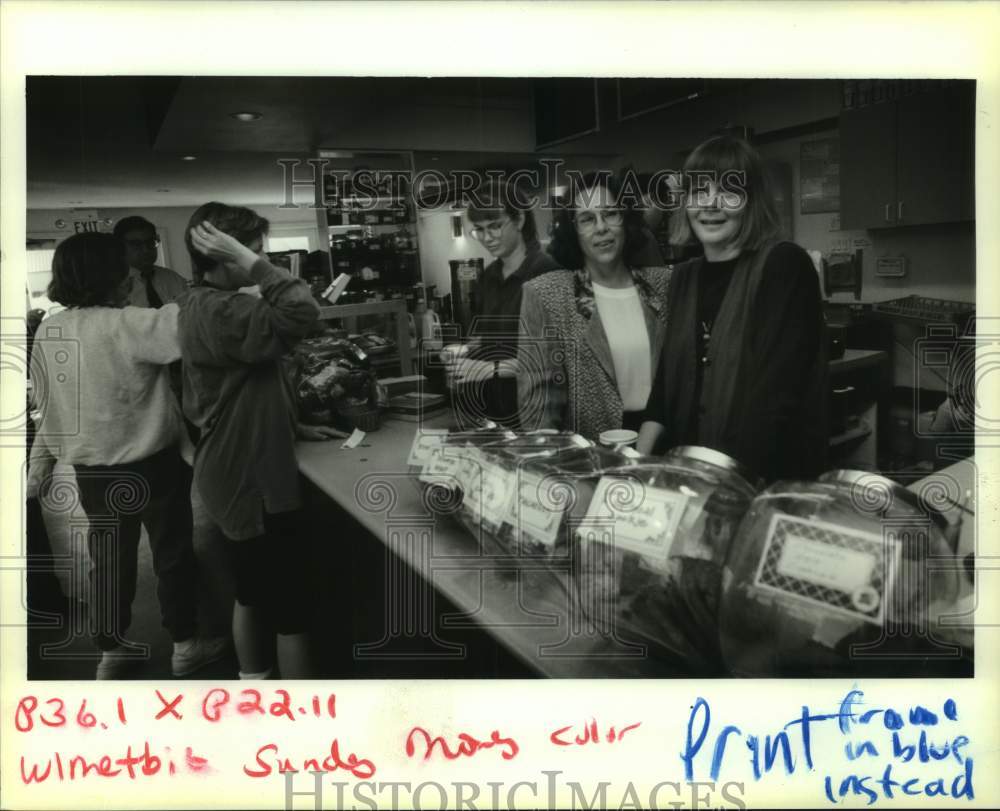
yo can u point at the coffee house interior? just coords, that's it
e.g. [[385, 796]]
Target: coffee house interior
[[866, 179]]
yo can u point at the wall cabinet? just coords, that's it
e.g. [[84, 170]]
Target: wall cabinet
[[909, 161]]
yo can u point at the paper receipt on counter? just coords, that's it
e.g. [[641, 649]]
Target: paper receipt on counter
[[354, 439]]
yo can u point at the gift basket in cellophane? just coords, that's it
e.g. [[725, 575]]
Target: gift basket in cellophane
[[652, 547], [838, 577], [335, 384]]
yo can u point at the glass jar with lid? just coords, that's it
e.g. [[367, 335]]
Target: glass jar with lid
[[553, 492], [494, 476], [652, 548], [836, 577]]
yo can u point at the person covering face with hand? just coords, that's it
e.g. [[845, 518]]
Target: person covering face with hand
[[235, 391]]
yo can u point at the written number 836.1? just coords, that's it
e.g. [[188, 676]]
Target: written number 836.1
[[53, 714]]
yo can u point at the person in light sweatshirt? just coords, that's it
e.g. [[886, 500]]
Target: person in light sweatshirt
[[108, 411]]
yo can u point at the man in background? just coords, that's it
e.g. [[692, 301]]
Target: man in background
[[152, 285]]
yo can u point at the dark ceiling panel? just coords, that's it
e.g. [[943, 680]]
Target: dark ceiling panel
[[119, 140], [304, 113]]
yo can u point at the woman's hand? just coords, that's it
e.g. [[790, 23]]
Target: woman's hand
[[318, 433], [218, 245], [472, 371]]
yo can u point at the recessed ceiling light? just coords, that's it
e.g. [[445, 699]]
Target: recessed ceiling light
[[189, 158], [246, 115]]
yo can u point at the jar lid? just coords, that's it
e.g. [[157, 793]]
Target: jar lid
[[719, 459], [865, 479]]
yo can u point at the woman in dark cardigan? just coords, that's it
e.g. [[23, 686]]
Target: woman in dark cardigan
[[743, 368]]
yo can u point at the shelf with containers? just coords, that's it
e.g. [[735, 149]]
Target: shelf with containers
[[366, 219]]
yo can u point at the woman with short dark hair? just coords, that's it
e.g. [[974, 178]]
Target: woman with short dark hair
[[109, 412], [243, 224], [743, 368], [592, 333]]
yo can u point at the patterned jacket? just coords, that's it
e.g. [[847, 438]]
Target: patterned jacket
[[566, 375]]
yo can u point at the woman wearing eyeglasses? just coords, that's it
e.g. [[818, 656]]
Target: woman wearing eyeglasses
[[502, 221], [743, 369], [592, 333]]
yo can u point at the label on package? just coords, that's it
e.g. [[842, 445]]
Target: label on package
[[443, 465], [426, 442], [845, 571], [488, 492], [634, 517], [537, 511]]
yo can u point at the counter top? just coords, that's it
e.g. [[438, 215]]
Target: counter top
[[531, 614]]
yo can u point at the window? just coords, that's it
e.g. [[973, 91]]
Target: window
[[287, 243], [39, 273]]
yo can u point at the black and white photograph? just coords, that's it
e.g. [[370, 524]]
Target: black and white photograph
[[372, 379], [595, 378]]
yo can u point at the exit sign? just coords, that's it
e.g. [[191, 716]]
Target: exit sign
[[86, 226]]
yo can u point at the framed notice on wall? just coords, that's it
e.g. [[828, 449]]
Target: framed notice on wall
[[819, 175]]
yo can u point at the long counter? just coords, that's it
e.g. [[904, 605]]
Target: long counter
[[530, 612]]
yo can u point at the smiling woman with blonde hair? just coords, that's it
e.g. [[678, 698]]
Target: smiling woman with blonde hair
[[743, 368]]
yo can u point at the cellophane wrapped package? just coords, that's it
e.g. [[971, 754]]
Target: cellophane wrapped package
[[437, 461], [652, 547], [553, 492], [332, 379], [836, 578], [490, 475]]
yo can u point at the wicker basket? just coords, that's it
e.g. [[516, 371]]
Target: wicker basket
[[365, 418]]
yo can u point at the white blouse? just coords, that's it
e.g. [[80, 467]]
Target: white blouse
[[625, 325]]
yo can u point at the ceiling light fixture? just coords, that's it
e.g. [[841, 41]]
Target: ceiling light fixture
[[246, 115], [189, 158]]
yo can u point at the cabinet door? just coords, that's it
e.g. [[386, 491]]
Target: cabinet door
[[936, 156], [868, 166]]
